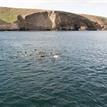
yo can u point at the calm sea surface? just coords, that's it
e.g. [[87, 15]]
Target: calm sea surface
[[53, 69]]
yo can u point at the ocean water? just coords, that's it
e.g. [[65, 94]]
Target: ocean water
[[53, 69]]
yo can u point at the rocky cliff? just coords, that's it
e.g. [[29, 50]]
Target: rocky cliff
[[33, 19], [56, 20]]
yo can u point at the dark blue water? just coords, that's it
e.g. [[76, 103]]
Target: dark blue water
[[72, 72]]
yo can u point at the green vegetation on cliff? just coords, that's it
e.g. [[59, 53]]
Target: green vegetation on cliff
[[10, 14]]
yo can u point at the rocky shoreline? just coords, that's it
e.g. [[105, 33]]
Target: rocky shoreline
[[55, 21]]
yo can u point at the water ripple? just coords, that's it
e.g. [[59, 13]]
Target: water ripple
[[53, 71]]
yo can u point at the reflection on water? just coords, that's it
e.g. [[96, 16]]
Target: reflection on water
[[53, 69]]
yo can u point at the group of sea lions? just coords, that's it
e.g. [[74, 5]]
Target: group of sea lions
[[39, 54]]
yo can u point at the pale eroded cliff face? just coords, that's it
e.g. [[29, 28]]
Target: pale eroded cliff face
[[52, 17], [56, 20]]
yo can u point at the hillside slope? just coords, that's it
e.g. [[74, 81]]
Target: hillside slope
[[2, 22], [10, 14]]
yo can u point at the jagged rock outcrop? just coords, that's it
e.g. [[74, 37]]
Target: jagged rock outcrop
[[56, 20]]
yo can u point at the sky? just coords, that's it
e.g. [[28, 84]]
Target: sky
[[94, 7]]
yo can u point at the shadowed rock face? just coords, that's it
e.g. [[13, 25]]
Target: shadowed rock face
[[55, 20], [35, 21]]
